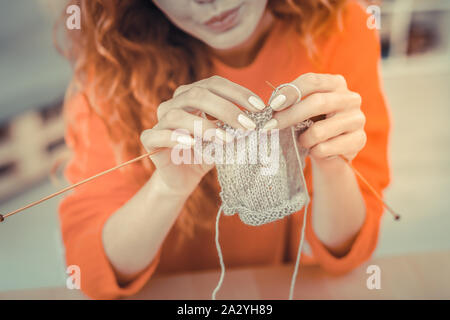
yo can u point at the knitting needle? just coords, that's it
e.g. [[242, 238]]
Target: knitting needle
[[73, 186], [372, 189]]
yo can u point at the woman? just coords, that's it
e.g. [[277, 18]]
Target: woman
[[146, 68]]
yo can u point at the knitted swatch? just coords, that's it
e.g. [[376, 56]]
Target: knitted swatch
[[262, 192]]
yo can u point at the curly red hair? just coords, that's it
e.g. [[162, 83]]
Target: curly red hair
[[128, 57]]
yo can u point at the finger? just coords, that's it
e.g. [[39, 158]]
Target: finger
[[210, 103], [227, 90], [170, 139], [180, 119], [200, 128], [315, 105], [345, 144], [331, 127], [307, 84], [155, 138]]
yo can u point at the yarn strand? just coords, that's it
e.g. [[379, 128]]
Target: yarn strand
[[305, 213], [299, 253], [219, 253]]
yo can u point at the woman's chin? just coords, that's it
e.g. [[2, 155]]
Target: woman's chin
[[229, 39]]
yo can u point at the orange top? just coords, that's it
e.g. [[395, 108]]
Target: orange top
[[353, 52]]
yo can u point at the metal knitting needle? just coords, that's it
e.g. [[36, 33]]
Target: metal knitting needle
[[73, 186], [372, 189]]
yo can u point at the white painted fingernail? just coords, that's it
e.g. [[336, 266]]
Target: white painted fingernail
[[256, 102], [278, 101], [224, 136], [246, 122], [185, 140], [271, 124]]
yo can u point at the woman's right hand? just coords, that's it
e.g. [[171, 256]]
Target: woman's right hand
[[216, 97]]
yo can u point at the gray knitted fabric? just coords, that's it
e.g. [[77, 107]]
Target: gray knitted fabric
[[256, 192], [249, 188]]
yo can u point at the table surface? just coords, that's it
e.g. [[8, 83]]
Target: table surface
[[415, 276]]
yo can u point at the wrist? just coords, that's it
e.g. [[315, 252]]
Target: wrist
[[165, 190], [329, 166]]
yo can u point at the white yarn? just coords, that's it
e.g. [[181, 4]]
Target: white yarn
[[302, 234], [219, 252], [258, 198], [300, 246]]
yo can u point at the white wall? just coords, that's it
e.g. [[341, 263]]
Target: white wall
[[420, 106]]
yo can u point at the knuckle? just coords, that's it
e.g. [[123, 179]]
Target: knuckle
[[215, 80], [196, 93], [313, 78], [361, 119], [160, 111], [363, 138], [319, 150], [319, 100], [340, 79], [215, 77], [316, 133], [360, 140], [357, 98], [173, 115], [146, 136], [179, 90]]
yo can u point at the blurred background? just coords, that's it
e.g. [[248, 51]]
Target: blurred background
[[415, 36]]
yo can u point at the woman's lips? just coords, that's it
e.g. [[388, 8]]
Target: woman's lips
[[224, 21]]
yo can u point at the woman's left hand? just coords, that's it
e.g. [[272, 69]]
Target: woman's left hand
[[341, 132]]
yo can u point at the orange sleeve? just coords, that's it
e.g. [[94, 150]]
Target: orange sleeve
[[355, 54], [84, 212]]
